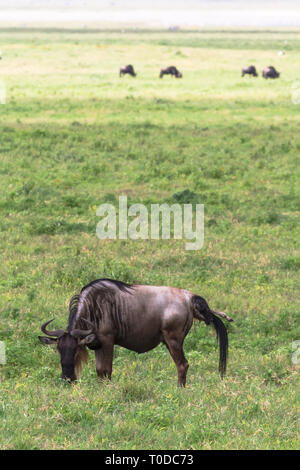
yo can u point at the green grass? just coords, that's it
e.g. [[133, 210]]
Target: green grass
[[74, 135]]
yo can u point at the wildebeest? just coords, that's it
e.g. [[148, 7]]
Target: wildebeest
[[172, 70], [270, 72], [127, 69], [137, 317], [250, 70]]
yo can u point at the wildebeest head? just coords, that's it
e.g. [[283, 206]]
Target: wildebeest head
[[71, 347]]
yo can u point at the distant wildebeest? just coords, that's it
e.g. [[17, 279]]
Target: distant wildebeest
[[270, 72], [137, 317], [127, 69], [250, 70], [172, 70]]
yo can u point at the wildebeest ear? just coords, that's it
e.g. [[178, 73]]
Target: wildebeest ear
[[88, 339], [45, 340]]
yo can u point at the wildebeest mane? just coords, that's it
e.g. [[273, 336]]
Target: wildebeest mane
[[123, 286], [73, 307], [99, 301]]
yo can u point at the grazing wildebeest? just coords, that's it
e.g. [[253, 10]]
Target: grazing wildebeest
[[270, 72], [137, 317], [251, 70], [127, 69], [172, 70]]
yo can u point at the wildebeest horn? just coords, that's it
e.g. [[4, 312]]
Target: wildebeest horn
[[57, 333], [80, 333], [83, 333], [223, 315]]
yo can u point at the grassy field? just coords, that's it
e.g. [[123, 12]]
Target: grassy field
[[74, 135]]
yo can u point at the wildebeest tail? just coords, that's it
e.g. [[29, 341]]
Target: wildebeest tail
[[200, 306], [223, 343]]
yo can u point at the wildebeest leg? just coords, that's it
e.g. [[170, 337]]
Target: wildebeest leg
[[104, 359], [174, 343]]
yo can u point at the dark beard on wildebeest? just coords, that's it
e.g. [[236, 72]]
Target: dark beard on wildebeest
[[136, 317]]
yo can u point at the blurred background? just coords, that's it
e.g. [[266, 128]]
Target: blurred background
[[152, 13]]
